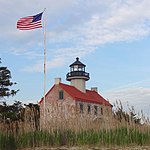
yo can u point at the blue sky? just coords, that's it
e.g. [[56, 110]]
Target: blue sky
[[111, 37]]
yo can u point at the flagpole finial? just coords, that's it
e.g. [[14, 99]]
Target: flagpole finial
[[44, 10]]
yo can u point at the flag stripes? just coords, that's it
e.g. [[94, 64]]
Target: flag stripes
[[30, 22]]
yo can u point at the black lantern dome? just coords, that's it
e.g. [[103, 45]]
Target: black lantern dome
[[77, 71]]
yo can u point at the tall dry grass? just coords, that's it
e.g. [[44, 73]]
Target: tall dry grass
[[121, 128]]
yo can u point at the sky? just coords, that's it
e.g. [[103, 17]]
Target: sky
[[111, 37]]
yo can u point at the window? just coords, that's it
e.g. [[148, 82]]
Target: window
[[61, 94], [101, 111], [81, 108], [89, 109], [75, 68], [95, 110]]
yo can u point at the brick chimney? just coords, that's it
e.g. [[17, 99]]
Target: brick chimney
[[57, 80], [94, 89]]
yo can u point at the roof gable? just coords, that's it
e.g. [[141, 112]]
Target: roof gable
[[46, 94], [89, 96]]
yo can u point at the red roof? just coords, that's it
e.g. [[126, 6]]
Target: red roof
[[89, 96]]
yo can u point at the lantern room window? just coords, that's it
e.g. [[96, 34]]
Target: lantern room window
[[77, 69]]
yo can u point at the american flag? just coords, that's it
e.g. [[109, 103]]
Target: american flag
[[30, 22]]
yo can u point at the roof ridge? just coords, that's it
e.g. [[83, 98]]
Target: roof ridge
[[89, 96]]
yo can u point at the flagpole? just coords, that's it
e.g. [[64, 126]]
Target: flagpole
[[44, 109]]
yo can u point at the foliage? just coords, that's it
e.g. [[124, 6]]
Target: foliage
[[113, 137], [12, 112], [7, 142], [5, 83], [17, 112], [126, 131]]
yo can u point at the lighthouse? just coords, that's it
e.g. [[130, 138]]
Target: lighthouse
[[77, 75]]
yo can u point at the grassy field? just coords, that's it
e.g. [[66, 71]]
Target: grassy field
[[122, 137], [121, 131]]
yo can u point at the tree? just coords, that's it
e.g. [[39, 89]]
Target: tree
[[9, 113], [5, 83]]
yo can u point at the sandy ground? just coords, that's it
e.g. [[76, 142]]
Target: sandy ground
[[93, 148]]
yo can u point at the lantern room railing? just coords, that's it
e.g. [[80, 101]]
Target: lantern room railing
[[77, 73]]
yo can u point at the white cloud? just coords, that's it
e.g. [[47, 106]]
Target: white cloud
[[63, 56], [119, 22], [75, 27], [30, 54], [38, 66], [136, 94]]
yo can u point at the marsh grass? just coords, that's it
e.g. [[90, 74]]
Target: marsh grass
[[109, 138], [7, 142], [121, 129]]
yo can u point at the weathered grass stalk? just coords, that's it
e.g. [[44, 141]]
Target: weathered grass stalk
[[79, 130], [119, 136]]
